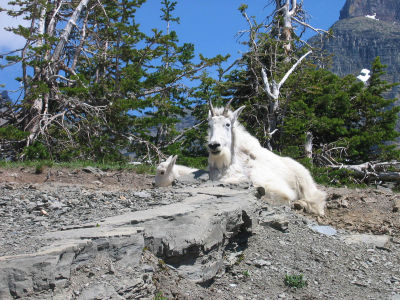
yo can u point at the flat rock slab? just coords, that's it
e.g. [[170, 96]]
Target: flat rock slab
[[324, 229], [189, 235], [376, 240]]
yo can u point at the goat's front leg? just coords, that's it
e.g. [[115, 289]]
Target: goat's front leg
[[214, 174]]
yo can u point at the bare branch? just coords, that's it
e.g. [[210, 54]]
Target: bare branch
[[292, 69], [52, 23], [178, 137], [81, 42], [62, 77], [67, 30], [273, 94], [317, 30]]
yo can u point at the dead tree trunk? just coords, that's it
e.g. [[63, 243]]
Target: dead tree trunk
[[288, 10], [267, 56], [308, 145], [371, 171]]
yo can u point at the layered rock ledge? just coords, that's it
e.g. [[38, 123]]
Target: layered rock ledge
[[189, 236]]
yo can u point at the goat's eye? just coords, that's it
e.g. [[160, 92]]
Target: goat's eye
[[227, 124]]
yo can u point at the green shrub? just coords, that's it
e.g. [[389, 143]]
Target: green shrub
[[160, 296], [39, 168], [10, 132], [36, 151], [295, 281]]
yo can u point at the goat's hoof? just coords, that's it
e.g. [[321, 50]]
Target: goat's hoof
[[260, 192], [299, 205]]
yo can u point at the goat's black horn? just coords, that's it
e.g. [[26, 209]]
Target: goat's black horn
[[211, 108], [227, 106]]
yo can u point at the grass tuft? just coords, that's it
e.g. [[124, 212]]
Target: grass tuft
[[295, 281], [160, 296], [39, 165]]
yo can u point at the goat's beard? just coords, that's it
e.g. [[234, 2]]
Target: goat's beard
[[220, 160]]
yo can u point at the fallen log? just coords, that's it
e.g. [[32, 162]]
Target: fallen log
[[369, 171]]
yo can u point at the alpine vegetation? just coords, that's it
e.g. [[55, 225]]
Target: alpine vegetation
[[236, 156], [168, 171]]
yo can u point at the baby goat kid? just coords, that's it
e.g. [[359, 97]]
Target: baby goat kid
[[168, 171]]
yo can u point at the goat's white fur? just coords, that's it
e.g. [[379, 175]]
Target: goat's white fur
[[240, 157], [168, 171]]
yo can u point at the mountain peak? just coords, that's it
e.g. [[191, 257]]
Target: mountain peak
[[385, 10]]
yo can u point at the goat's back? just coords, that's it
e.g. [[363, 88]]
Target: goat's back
[[180, 170]]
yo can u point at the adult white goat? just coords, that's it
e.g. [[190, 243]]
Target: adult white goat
[[168, 171], [235, 155]]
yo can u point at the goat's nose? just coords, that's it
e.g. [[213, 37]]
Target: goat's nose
[[213, 146]]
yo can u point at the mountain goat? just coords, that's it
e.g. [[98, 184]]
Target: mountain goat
[[235, 156], [168, 171]]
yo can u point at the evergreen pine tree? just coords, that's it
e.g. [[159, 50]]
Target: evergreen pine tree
[[343, 113], [99, 84], [373, 129]]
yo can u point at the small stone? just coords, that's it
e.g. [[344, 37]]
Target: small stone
[[278, 223], [298, 205], [111, 268], [260, 192], [56, 205], [93, 170], [43, 212], [362, 284], [379, 241], [261, 263], [282, 296], [344, 203], [147, 268], [396, 205], [142, 194], [326, 230], [9, 186]]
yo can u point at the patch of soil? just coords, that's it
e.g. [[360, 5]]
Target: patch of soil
[[32, 204], [363, 210], [89, 177]]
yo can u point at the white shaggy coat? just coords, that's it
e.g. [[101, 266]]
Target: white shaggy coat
[[235, 156], [168, 171]]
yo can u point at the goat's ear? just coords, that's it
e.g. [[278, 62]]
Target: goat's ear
[[169, 159], [171, 163], [236, 113]]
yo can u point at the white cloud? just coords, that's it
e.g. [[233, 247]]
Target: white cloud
[[8, 40]]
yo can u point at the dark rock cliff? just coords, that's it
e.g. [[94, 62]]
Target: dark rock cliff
[[385, 10], [358, 40]]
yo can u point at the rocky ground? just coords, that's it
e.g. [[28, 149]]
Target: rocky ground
[[352, 253]]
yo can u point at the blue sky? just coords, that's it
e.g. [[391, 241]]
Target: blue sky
[[211, 25]]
